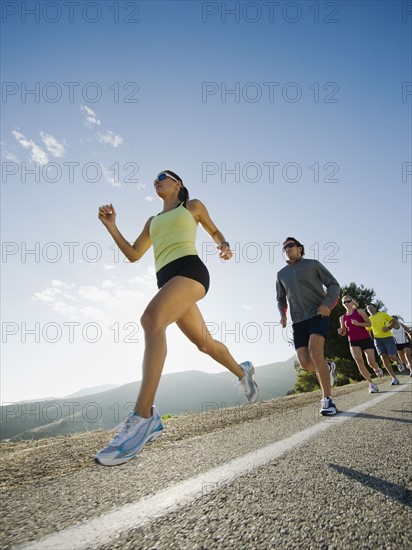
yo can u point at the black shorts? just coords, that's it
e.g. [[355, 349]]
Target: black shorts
[[187, 266], [365, 343], [302, 331], [403, 346]]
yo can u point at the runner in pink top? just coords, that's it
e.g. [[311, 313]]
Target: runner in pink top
[[355, 332], [353, 325]]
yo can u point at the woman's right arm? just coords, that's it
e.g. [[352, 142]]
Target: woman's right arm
[[342, 328], [107, 215]]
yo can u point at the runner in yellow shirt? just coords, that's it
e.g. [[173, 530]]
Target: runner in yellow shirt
[[381, 325]]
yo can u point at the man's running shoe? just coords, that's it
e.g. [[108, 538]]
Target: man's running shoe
[[248, 383], [134, 433], [394, 382], [332, 372], [401, 367], [373, 388], [328, 407], [379, 372]]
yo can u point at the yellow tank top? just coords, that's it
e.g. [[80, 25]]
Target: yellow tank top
[[173, 235]]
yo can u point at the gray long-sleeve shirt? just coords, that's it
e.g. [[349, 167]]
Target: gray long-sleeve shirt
[[301, 284]]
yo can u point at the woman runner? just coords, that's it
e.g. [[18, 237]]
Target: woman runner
[[403, 337], [183, 280], [353, 324]]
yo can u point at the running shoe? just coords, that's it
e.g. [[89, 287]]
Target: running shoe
[[401, 367], [373, 388], [332, 372], [134, 433], [394, 382], [379, 373], [248, 383], [328, 407]]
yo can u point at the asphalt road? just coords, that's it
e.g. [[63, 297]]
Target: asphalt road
[[339, 485]]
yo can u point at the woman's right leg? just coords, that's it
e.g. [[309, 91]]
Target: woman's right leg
[[405, 357], [402, 356], [356, 353], [408, 357], [169, 305]]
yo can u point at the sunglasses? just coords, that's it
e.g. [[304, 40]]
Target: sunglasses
[[289, 245], [347, 301], [163, 176]]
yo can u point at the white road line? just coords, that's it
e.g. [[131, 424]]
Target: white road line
[[103, 529]]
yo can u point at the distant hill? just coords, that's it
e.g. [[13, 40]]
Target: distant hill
[[91, 391], [178, 393]]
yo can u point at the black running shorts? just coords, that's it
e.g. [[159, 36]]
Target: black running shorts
[[365, 343], [187, 266], [303, 330]]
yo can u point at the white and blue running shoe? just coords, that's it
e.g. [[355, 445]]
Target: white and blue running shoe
[[134, 433], [248, 383], [328, 407]]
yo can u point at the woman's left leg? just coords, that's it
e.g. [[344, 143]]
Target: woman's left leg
[[194, 327], [370, 358]]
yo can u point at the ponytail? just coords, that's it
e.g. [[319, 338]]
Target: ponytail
[[183, 195]]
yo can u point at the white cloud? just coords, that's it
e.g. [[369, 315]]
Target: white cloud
[[47, 295], [108, 267], [147, 281], [58, 283], [105, 304], [93, 312], [109, 176], [55, 148], [111, 138], [64, 309], [94, 294], [7, 155], [91, 119], [149, 199], [10, 156], [248, 308], [37, 154], [109, 284]]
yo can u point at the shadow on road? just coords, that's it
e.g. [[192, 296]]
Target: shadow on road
[[396, 492], [376, 417]]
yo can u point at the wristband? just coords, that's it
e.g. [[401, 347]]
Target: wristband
[[226, 243]]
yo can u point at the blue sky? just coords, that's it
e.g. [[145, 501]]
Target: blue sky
[[295, 124]]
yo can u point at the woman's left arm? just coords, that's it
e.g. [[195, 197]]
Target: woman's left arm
[[365, 317], [407, 330], [201, 215]]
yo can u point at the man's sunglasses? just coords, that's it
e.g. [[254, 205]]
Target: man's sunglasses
[[289, 245], [163, 176]]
